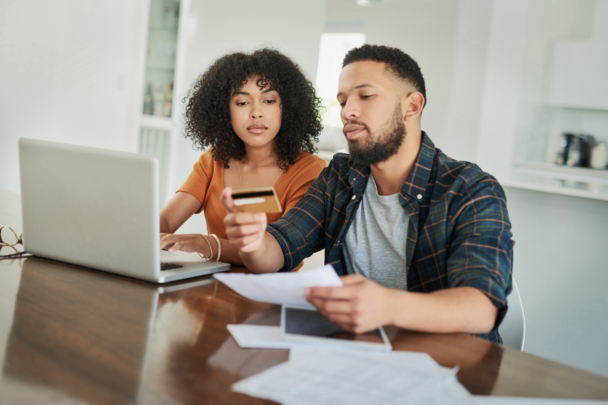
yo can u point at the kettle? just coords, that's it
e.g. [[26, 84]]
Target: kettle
[[575, 150]]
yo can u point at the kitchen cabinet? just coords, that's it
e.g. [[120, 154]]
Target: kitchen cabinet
[[579, 77], [158, 121], [563, 89]]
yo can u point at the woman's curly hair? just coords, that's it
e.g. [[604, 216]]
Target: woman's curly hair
[[207, 114]]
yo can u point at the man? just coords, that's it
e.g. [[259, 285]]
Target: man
[[422, 241]]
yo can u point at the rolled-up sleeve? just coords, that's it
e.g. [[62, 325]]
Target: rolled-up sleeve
[[300, 232], [481, 250]]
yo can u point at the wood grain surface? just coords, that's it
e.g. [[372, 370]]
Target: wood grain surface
[[70, 335]]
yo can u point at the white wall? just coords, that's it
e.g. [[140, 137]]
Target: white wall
[[500, 96], [215, 28], [466, 88], [70, 71]]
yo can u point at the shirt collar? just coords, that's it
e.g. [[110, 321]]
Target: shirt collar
[[419, 176], [416, 182]]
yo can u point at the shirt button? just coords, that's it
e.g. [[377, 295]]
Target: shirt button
[[419, 196], [354, 197]]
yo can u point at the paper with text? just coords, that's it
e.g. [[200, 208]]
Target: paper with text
[[324, 376], [280, 288]]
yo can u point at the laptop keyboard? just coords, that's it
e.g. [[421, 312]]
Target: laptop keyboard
[[169, 266]]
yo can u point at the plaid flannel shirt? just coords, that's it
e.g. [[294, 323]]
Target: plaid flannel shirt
[[459, 233]]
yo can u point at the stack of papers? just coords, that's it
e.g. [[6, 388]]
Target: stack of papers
[[330, 376]]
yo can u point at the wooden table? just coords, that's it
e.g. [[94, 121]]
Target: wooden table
[[70, 335]]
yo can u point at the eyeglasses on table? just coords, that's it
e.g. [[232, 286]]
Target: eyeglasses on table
[[11, 245]]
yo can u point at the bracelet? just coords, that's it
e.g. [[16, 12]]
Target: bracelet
[[219, 247], [210, 249]]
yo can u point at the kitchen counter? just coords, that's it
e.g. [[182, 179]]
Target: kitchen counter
[[548, 178]]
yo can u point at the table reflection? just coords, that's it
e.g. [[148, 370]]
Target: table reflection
[[205, 364], [479, 360], [82, 336]]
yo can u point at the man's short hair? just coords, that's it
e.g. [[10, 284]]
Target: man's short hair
[[400, 63]]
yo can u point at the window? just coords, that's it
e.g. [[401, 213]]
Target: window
[[332, 50]]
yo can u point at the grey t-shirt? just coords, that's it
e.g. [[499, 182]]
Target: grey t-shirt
[[375, 243]]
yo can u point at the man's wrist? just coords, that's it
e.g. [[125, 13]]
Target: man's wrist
[[251, 259], [267, 258], [397, 307]]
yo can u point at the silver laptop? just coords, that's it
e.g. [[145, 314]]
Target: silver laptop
[[98, 208]]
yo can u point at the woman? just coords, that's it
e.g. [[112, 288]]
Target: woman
[[259, 116]]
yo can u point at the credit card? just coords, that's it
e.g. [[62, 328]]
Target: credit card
[[257, 200]]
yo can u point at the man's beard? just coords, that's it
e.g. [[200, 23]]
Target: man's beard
[[386, 144]]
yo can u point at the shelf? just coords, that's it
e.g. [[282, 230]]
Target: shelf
[[157, 122], [575, 173], [571, 181], [582, 107]]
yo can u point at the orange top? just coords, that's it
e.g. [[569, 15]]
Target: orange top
[[206, 183]]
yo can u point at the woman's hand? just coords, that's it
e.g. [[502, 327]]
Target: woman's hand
[[192, 242]]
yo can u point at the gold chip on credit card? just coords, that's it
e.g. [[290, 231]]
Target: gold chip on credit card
[[257, 200]]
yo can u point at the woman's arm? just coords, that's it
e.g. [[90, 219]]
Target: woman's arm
[[205, 245], [177, 211]]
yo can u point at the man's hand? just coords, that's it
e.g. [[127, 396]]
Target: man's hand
[[359, 306], [244, 229], [192, 242]]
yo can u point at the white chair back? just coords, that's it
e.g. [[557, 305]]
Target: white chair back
[[513, 327]]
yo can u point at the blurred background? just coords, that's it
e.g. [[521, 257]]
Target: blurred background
[[517, 86]]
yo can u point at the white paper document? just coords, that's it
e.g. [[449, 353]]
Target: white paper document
[[280, 288], [328, 376], [258, 337], [486, 400], [268, 337]]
